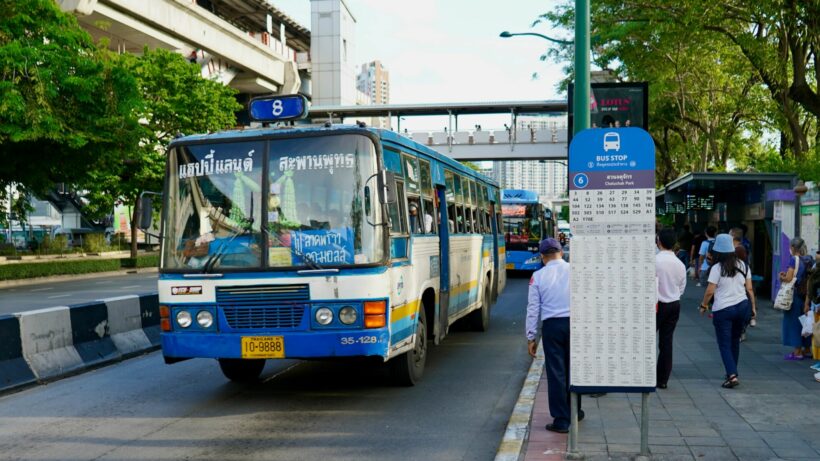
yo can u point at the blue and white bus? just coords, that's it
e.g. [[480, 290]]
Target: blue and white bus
[[525, 224], [322, 242]]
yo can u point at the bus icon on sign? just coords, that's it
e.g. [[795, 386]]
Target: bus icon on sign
[[612, 142]]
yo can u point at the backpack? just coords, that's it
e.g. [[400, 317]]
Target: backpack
[[710, 259], [802, 285]]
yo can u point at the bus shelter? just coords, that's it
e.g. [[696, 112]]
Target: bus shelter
[[726, 201]]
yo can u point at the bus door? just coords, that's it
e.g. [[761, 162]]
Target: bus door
[[440, 330], [496, 269]]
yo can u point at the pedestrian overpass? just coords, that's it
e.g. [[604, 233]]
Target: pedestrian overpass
[[548, 143]]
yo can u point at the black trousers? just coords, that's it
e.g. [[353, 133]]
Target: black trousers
[[665, 321]]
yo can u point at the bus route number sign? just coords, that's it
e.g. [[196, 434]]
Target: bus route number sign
[[278, 108]]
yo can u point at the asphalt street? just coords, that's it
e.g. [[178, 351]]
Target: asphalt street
[[50, 294], [142, 409]]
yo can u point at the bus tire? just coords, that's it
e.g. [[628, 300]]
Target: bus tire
[[408, 368], [480, 318], [242, 370]]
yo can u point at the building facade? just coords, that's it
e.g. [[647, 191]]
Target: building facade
[[374, 81], [547, 178]]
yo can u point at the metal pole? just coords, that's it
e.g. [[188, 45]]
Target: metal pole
[[581, 93], [645, 424], [572, 450]]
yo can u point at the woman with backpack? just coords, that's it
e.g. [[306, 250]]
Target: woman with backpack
[[730, 282], [792, 329]]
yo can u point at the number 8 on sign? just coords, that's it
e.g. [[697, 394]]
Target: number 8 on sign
[[277, 108]]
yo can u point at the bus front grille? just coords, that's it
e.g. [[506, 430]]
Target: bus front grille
[[263, 306], [261, 317]]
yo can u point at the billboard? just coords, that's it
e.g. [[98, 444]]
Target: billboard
[[615, 105]]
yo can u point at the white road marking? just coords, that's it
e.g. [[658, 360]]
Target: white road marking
[[59, 296], [42, 289], [129, 287]]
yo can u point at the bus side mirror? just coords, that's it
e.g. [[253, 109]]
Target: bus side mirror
[[146, 214], [387, 187]]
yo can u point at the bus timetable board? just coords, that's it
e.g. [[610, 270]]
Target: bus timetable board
[[613, 285]]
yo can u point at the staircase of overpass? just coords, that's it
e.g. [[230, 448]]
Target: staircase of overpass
[[229, 39]]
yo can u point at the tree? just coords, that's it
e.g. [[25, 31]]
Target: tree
[[723, 74], [176, 100], [63, 105]]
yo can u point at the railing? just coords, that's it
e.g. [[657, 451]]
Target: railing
[[553, 135]]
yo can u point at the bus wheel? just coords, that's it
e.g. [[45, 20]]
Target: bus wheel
[[242, 370], [407, 369], [480, 319]]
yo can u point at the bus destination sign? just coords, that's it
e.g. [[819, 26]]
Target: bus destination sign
[[278, 108]]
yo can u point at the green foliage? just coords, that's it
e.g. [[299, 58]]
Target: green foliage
[[64, 106], [142, 261], [724, 76], [95, 243], [27, 270], [44, 269]]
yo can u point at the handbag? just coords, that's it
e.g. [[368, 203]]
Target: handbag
[[807, 322], [785, 295]]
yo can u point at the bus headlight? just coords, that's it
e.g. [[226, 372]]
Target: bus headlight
[[348, 315], [205, 319], [184, 319], [324, 316]]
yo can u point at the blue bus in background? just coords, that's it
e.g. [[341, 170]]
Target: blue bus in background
[[525, 223]]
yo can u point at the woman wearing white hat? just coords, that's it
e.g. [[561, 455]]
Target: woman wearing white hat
[[730, 282]]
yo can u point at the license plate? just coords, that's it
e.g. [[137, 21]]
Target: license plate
[[510, 266], [263, 347]]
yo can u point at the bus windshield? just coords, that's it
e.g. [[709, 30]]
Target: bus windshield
[[311, 211], [521, 223]]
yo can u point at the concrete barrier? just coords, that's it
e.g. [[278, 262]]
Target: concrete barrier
[[14, 370], [47, 344]]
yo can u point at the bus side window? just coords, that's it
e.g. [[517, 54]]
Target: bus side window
[[450, 195], [459, 217], [398, 211], [427, 193]]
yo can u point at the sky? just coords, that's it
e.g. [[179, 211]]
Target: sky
[[450, 51]]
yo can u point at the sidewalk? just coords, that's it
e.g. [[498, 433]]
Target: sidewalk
[[773, 414]]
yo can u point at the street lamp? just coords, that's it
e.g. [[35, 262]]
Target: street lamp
[[506, 34]]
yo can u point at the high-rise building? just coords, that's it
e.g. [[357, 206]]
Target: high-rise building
[[548, 179], [374, 80]]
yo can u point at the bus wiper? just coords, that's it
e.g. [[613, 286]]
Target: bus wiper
[[308, 261]]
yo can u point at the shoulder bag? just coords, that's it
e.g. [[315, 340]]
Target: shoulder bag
[[785, 295]]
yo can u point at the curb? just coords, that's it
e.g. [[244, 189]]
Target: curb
[[47, 344], [518, 426], [64, 278]]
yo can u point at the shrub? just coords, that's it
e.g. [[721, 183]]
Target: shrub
[[95, 243], [141, 261], [45, 269]]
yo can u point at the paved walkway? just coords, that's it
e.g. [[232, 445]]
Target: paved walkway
[[774, 413]]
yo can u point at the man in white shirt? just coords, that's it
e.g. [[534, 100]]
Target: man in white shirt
[[671, 283], [548, 303]]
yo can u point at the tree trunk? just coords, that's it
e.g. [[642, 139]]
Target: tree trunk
[[134, 228]]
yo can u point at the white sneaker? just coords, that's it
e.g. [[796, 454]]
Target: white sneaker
[[697, 284], [817, 377], [753, 323]]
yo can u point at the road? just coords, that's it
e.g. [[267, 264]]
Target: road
[[50, 294], [142, 409]]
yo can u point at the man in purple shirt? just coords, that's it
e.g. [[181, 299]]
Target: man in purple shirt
[[548, 303]]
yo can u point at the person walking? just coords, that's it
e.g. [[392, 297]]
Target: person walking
[[812, 304], [548, 303], [704, 258], [685, 239], [792, 329], [730, 283], [671, 284]]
